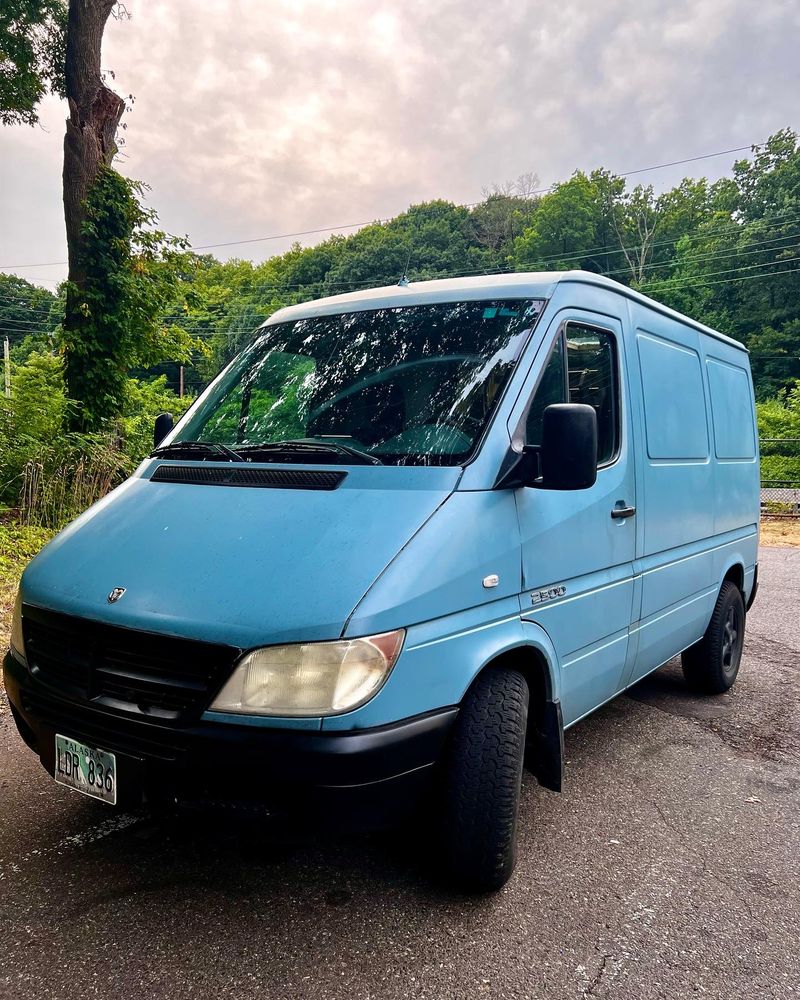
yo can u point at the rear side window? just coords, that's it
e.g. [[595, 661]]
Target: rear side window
[[674, 400], [731, 410], [582, 368]]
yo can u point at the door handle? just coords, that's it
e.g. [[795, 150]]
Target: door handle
[[620, 512]]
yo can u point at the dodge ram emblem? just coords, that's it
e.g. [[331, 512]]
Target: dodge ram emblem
[[115, 595]]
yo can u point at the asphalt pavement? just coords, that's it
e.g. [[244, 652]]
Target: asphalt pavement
[[669, 867]]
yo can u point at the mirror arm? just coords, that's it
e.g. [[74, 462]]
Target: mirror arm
[[519, 468]]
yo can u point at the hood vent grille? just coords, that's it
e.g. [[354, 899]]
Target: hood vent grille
[[286, 479]]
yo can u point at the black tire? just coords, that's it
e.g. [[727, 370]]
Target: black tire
[[482, 780], [711, 665]]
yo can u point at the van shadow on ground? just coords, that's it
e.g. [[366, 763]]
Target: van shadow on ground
[[248, 857]]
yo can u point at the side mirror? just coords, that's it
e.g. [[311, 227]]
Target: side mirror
[[569, 447], [164, 424]]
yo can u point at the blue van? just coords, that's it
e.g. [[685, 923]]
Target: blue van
[[400, 544]]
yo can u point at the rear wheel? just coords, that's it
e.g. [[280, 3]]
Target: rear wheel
[[483, 777], [711, 665]]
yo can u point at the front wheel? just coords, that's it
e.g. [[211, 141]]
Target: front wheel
[[482, 781], [711, 665]]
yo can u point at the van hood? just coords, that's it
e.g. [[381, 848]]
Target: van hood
[[240, 565]]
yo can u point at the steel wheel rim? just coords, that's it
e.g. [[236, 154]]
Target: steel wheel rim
[[731, 640]]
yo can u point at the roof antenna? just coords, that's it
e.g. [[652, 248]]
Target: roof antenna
[[404, 282]]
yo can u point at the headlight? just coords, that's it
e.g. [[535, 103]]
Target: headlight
[[17, 640], [310, 679]]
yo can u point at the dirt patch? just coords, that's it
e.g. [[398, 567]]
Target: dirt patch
[[780, 531]]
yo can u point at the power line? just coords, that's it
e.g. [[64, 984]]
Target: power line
[[195, 324], [325, 284], [670, 285], [358, 225], [746, 277], [714, 256], [746, 267], [200, 331]]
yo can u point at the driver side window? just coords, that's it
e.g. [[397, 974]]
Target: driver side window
[[551, 389], [582, 368]]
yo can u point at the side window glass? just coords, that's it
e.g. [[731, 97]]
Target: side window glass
[[551, 389], [592, 367]]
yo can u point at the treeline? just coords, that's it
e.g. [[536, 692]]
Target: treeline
[[726, 253]]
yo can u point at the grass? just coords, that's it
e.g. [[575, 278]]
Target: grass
[[18, 545]]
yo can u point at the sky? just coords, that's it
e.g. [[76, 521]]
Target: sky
[[256, 118]]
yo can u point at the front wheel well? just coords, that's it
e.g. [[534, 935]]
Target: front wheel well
[[545, 732]]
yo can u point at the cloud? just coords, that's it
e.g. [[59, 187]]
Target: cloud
[[253, 118]]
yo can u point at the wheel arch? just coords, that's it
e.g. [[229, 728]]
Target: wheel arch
[[735, 573], [544, 755]]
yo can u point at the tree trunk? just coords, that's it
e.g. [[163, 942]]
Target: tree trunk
[[89, 145]]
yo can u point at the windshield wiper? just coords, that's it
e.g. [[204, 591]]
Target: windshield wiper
[[307, 445], [197, 449]]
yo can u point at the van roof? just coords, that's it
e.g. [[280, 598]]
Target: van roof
[[525, 284]]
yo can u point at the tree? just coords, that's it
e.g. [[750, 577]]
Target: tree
[[32, 36], [29, 316], [737, 270], [498, 221], [89, 146], [130, 281], [574, 226], [635, 220]]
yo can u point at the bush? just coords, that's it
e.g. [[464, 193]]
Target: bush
[[143, 403], [31, 420], [51, 475], [780, 468], [18, 545]]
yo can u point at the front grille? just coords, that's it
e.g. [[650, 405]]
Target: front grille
[[120, 733], [214, 475], [156, 676]]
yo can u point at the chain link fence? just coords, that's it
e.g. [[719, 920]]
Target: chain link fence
[[780, 477]]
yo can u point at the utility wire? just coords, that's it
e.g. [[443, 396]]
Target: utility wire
[[358, 225], [727, 226], [201, 331], [671, 285]]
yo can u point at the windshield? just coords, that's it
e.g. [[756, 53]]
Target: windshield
[[413, 385]]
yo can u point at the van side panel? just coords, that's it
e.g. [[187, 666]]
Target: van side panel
[[737, 485], [675, 556], [677, 463]]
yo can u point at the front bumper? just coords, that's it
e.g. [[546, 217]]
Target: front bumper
[[362, 777]]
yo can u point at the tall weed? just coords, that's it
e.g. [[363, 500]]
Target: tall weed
[[48, 475]]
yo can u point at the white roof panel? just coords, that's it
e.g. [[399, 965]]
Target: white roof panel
[[522, 285]]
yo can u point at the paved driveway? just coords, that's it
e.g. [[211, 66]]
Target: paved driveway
[[670, 867]]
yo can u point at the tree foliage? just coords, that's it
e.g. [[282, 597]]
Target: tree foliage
[[32, 47], [51, 474], [29, 315], [724, 253], [133, 277], [739, 269]]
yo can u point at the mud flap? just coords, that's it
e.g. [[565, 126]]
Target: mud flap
[[545, 752]]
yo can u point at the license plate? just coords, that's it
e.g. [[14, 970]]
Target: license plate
[[86, 769]]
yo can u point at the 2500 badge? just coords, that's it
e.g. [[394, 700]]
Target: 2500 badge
[[548, 594]]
